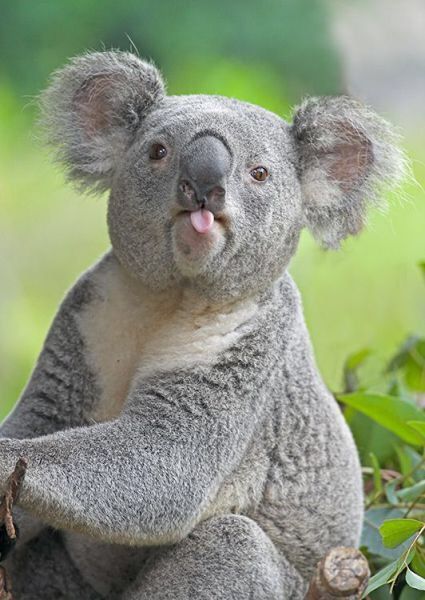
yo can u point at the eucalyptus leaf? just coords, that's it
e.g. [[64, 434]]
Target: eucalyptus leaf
[[414, 580], [412, 493], [371, 538], [418, 426], [351, 366], [381, 577], [371, 437], [390, 492], [383, 593], [404, 459], [388, 411], [417, 459], [414, 371], [384, 575], [410, 363], [418, 564], [402, 356], [396, 531], [408, 593]]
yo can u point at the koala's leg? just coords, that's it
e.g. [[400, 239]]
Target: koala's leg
[[43, 570], [224, 558]]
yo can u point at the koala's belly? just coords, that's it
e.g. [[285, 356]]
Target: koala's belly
[[300, 480], [312, 494], [130, 332]]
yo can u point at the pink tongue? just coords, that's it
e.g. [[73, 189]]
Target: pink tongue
[[202, 220]]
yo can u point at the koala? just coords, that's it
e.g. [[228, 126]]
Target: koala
[[181, 443]]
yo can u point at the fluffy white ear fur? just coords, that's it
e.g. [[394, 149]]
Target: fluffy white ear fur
[[91, 110], [347, 156]]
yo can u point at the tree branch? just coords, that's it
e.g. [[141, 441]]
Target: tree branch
[[8, 532], [342, 573]]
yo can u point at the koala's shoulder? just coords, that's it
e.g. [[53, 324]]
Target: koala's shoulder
[[86, 289]]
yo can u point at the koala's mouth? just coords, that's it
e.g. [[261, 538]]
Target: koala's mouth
[[202, 220], [198, 236]]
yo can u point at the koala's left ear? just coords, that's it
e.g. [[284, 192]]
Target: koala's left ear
[[92, 109], [346, 156]]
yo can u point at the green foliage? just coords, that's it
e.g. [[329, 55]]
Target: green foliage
[[411, 358], [409, 593], [419, 426], [393, 535], [387, 574], [288, 38], [390, 412]]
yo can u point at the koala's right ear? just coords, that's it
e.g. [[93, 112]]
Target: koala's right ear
[[92, 109]]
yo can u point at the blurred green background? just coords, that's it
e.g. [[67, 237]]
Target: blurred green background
[[369, 294]]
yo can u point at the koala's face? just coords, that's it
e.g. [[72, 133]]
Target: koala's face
[[207, 195], [206, 191]]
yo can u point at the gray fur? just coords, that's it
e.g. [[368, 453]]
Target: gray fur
[[348, 156], [116, 90], [228, 470]]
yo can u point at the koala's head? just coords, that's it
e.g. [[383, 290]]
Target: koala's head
[[207, 191]]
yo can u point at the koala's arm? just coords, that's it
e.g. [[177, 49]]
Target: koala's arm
[[56, 393], [148, 476]]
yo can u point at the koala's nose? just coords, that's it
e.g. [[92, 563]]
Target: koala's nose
[[192, 195], [204, 169]]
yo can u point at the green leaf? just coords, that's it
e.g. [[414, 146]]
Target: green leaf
[[353, 362], [419, 426], [381, 577], [388, 411], [397, 531], [415, 581], [412, 493], [402, 356], [410, 361], [356, 359], [400, 390], [390, 492], [371, 538], [414, 372], [371, 437], [404, 460], [418, 564], [383, 593], [384, 575], [417, 461], [408, 593]]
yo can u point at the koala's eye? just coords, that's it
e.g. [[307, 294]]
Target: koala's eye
[[259, 173], [157, 152]]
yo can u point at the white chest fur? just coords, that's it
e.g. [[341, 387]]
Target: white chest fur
[[129, 330]]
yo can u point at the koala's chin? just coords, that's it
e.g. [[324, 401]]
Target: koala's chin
[[193, 251]]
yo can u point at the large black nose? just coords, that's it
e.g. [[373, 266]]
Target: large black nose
[[204, 168]]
